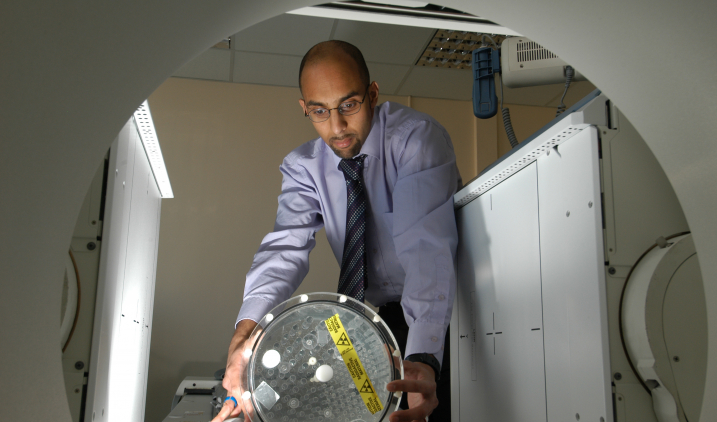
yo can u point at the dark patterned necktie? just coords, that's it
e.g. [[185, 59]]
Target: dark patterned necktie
[[352, 281]]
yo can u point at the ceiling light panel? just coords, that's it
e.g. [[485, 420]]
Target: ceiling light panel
[[452, 49]]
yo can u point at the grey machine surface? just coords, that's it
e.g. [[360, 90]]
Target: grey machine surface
[[579, 294]]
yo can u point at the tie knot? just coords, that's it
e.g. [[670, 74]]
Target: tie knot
[[352, 167]]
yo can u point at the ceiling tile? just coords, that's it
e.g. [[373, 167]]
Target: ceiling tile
[[379, 43], [212, 64], [284, 34], [388, 76], [435, 82]]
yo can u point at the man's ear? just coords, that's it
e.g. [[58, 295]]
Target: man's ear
[[302, 104], [373, 93]]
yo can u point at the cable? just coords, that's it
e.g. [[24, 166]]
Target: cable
[[490, 38], [506, 118], [569, 73], [509, 127]]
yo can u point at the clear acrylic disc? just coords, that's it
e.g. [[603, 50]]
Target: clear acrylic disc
[[321, 357]]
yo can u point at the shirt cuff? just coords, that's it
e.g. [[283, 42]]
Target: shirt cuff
[[254, 309], [426, 338]]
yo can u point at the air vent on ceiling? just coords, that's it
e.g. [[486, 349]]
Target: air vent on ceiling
[[530, 50]]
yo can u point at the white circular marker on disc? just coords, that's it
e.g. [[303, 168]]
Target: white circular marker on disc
[[304, 298], [376, 318], [342, 299], [324, 373], [312, 361], [269, 317], [271, 358], [246, 395]]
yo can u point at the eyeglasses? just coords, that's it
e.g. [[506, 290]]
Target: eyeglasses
[[347, 108]]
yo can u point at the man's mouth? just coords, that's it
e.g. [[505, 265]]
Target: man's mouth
[[343, 142]]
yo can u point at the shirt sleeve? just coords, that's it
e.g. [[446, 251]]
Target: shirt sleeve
[[425, 233], [282, 261]]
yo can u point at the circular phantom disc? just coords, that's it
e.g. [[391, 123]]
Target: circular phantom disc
[[321, 357]]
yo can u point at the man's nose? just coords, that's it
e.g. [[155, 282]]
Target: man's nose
[[337, 121]]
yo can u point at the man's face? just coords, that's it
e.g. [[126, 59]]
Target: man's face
[[329, 84]]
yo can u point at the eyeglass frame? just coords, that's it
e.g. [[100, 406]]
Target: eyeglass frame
[[360, 103]]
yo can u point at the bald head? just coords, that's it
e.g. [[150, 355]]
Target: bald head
[[335, 51]]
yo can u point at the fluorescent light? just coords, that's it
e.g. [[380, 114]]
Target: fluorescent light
[[406, 20], [145, 125], [402, 3]]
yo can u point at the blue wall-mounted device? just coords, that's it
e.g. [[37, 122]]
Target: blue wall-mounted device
[[486, 63]]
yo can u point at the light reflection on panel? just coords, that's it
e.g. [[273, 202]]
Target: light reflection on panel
[[121, 338]]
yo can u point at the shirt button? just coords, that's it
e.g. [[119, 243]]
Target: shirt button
[[434, 339], [441, 297]]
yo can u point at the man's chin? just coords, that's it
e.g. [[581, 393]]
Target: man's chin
[[346, 153]]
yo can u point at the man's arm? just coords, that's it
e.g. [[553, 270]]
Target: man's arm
[[282, 261], [279, 266], [425, 237]]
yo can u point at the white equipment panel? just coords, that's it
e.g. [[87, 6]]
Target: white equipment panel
[[125, 293], [501, 341], [529, 330], [577, 365]]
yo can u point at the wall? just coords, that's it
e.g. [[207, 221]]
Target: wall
[[222, 144]]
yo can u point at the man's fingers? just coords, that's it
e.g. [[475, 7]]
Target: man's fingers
[[225, 412], [413, 386], [409, 415]]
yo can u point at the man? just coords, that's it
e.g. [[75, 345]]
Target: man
[[398, 165]]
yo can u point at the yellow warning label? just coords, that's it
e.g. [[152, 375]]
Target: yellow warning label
[[353, 364]]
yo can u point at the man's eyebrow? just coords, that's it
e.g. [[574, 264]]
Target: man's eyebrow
[[341, 100]]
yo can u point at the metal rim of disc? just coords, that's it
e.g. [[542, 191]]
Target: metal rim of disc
[[281, 317]]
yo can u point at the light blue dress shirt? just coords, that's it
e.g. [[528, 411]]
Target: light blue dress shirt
[[410, 176]]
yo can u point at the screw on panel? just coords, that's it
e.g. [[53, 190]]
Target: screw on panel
[[611, 270], [618, 376], [91, 246], [567, 214], [590, 204], [577, 416], [79, 365], [676, 358]]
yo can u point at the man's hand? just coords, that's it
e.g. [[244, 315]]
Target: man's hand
[[236, 362], [420, 384]]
